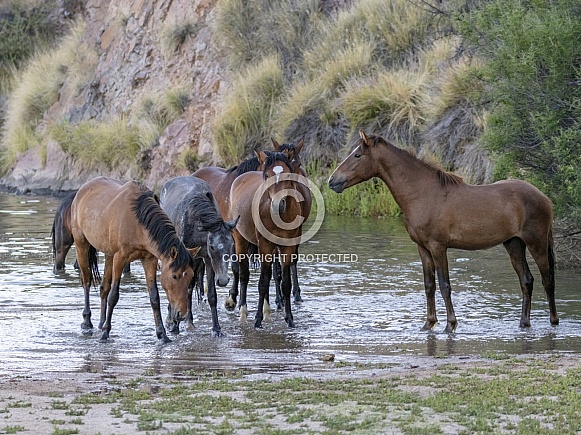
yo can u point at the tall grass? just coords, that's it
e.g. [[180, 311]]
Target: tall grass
[[38, 88], [174, 34], [99, 145], [240, 127]]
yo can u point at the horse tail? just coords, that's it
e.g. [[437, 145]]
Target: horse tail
[[93, 265], [551, 253], [53, 239], [253, 256]]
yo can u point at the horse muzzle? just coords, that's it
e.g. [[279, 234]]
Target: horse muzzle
[[222, 281], [337, 184], [176, 315]]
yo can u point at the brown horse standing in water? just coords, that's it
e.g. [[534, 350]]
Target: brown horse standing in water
[[220, 181], [126, 223], [265, 202], [441, 211]]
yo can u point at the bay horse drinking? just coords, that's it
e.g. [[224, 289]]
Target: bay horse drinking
[[440, 211], [189, 203], [125, 222], [266, 202]]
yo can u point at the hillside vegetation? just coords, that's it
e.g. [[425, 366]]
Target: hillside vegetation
[[489, 89]]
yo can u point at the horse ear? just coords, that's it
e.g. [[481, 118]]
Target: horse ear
[[173, 252], [232, 224], [299, 146], [261, 155], [296, 166], [275, 144], [194, 251]]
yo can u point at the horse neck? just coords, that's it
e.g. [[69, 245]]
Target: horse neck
[[408, 179]]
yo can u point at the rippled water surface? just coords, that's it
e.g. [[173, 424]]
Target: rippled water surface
[[364, 311]]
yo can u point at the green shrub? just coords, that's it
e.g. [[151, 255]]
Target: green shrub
[[24, 28], [532, 75]]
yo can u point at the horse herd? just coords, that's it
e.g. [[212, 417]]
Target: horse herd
[[199, 221]]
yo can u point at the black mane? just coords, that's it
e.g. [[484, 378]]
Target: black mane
[[247, 165], [203, 208], [159, 226], [274, 157]]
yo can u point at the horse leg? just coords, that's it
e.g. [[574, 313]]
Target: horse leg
[[516, 249], [295, 278], [118, 264], [543, 254], [105, 288], [201, 288], [244, 278], [150, 268], [263, 287], [430, 288], [230, 302], [86, 274], [277, 273], [213, 297], [440, 258], [286, 285]]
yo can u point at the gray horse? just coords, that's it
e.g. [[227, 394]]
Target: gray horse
[[189, 203]]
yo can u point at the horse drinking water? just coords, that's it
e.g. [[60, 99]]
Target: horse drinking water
[[125, 222], [441, 211]]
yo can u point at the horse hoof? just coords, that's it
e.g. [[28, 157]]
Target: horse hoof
[[166, 339], [86, 326], [104, 337], [217, 333], [290, 323], [450, 329], [555, 321], [258, 324], [243, 313], [298, 299], [428, 326], [230, 304]]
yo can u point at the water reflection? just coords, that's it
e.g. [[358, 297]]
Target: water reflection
[[368, 311]]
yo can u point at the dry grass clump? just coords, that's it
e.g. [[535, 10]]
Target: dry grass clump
[[241, 126], [39, 87], [105, 145], [174, 34]]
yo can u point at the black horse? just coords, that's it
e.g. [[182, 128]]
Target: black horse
[[189, 203]]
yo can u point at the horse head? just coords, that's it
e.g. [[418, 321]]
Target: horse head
[[220, 246], [177, 272], [278, 184], [360, 165]]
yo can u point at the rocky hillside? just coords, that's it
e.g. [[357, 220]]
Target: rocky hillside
[[130, 59]]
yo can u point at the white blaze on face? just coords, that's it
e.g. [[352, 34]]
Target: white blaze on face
[[277, 171]]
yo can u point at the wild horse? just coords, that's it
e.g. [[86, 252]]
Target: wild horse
[[266, 202], [62, 236], [189, 203], [441, 211], [125, 222], [220, 181]]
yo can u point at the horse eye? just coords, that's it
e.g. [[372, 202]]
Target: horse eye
[[357, 156], [174, 276]]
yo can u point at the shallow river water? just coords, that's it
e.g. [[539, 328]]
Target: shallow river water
[[367, 311]]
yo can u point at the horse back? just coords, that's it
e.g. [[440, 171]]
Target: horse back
[[220, 181], [102, 213]]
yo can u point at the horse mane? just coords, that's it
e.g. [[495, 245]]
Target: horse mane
[[446, 178], [289, 149], [202, 206], [160, 228], [273, 157], [247, 165]]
